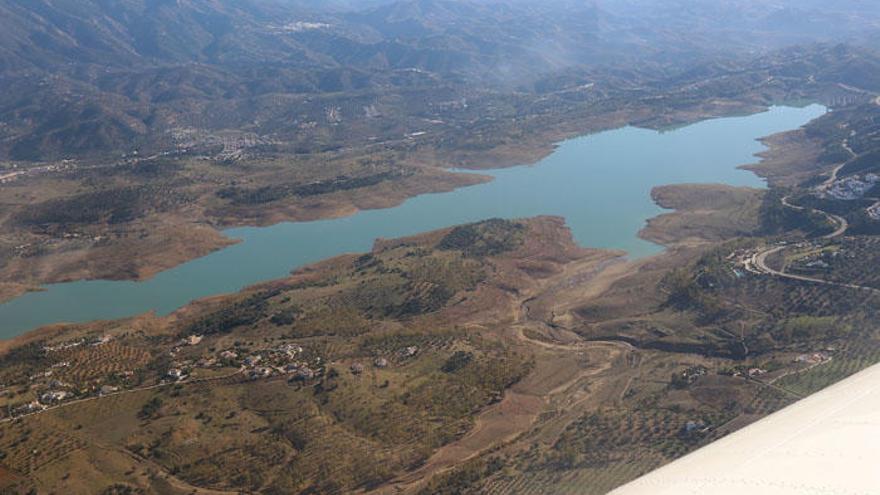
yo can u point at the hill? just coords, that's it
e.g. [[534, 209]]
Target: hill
[[95, 78]]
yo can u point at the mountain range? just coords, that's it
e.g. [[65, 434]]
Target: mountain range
[[85, 77]]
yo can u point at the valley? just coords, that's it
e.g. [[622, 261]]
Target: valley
[[591, 181], [158, 210], [557, 345], [424, 247]]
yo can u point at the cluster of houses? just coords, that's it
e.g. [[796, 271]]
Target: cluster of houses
[[193, 139], [55, 392], [850, 188], [689, 376], [874, 211], [28, 248], [29, 408], [54, 396], [7, 176], [818, 261], [288, 360], [50, 391], [234, 146], [811, 359], [72, 344], [741, 261], [285, 360]]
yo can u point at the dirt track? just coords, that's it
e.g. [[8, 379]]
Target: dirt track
[[555, 384]]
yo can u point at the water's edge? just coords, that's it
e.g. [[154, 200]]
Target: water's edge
[[599, 183]]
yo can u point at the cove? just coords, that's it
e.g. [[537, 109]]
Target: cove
[[600, 183]]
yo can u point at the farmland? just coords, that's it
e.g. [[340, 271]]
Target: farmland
[[266, 391], [493, 357]]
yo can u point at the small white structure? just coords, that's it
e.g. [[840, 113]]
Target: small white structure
[[292, 350], [409, 351], [54, 396], [176, 374]]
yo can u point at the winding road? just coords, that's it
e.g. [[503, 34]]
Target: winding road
[[842, 224], [759, 260]]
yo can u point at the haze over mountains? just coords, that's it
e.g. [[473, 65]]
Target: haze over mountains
[[85, 76], [438, 35]]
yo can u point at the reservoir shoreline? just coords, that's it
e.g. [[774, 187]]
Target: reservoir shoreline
[[600, 183]]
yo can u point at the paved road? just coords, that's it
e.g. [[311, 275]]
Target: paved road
[[842, 223], [761, 264], [759, 260]]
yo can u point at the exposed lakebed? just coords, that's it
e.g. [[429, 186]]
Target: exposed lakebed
[[600, 183]]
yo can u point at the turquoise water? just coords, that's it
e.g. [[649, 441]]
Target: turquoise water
[[600, 183]]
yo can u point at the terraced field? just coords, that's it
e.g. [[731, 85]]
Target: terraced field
[[27, 447], [586, 481], [88, 363], [550, 369], [391, 376]]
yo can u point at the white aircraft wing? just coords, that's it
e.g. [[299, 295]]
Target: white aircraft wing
[[828, 443]]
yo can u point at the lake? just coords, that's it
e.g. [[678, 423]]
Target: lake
[[600, 183]]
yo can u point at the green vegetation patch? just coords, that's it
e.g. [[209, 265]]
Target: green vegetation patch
[[488, 238], [267, 194], [244, 312], [111, 206]]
